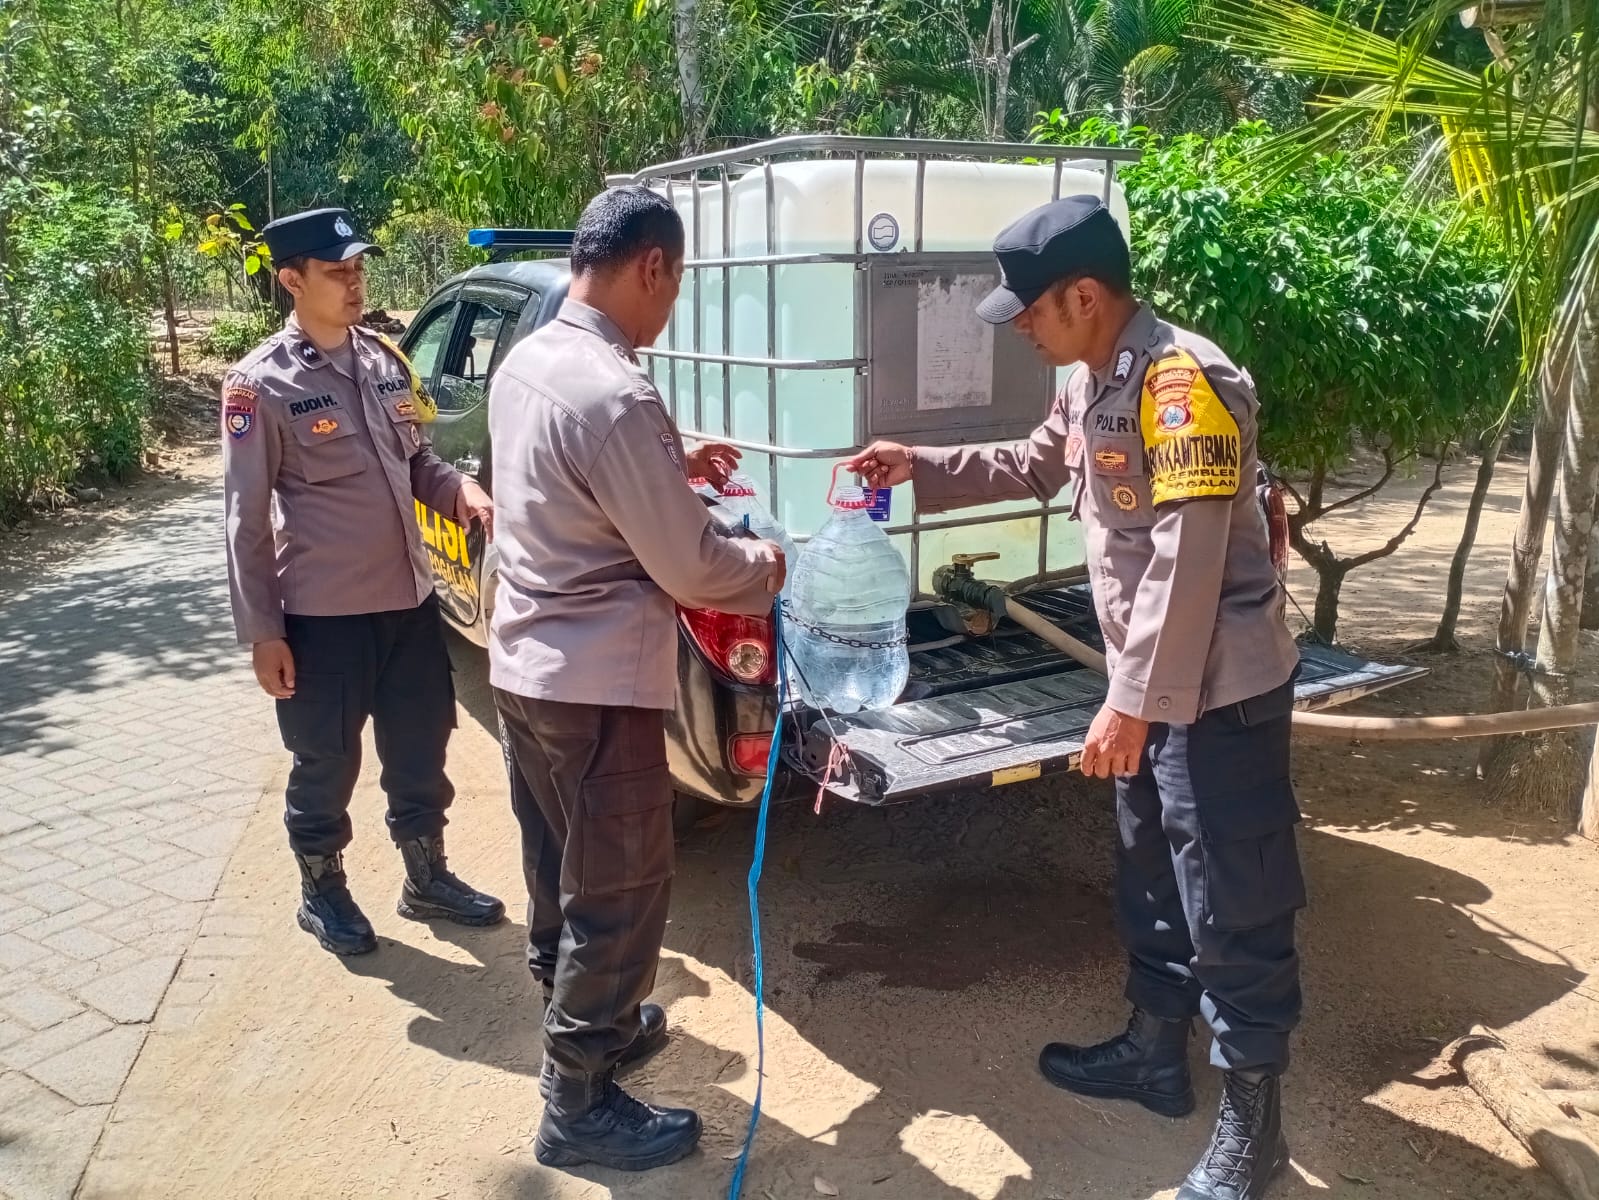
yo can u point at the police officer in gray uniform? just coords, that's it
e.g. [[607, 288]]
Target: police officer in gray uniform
[[1156, 435], [324, 457], [599, 537]]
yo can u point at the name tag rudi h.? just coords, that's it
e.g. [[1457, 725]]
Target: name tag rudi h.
[[298, 408]]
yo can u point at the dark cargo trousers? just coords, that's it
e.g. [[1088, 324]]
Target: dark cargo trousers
[[591, 791], [1208, 878], [394, 668]]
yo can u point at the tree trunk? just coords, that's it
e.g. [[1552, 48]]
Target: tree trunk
[[1590, 587], [169, 301], [1588, 813], [685, 26], [1585, 395], [1553, 765], [1330, 584], [1526, 551], [1574, 513], [1443, 641]]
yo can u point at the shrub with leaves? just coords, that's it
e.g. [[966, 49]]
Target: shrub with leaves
[[1364, 318], [233, 335], [74, 381]]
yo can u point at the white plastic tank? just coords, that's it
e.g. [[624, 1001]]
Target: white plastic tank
[[965, 205]]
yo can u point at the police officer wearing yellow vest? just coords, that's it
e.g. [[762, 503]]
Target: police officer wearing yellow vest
[[1156, 435], [324, 455]]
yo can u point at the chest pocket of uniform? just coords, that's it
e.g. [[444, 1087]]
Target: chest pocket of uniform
[[405, 426], [1114, 466], [328, 447]]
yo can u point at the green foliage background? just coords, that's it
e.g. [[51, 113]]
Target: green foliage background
[[1361, 314], [143, 142]]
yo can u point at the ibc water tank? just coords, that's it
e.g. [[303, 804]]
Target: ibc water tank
[[965, 205]]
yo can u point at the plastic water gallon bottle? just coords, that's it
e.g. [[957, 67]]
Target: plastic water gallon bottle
[[846, 611], [739, 498]]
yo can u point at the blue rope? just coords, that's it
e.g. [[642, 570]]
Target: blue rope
[[736, 1188]]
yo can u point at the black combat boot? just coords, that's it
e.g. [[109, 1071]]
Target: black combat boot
[[328, 910], [1148, 1063], [591, 1120], [432, 889], [651, 1037], [1248, 1148]]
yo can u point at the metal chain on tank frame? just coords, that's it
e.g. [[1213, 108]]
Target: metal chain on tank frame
[[856, 643]]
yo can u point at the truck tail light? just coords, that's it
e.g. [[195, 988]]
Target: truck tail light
[[739, 647], [750, 752]]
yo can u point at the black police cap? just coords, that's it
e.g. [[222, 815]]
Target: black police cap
[[1062, 238], [325, 233]]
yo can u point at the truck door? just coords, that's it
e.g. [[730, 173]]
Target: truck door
[[485, 317]]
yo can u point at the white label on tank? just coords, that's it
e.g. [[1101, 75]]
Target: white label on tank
[[883, 231], [954, 347]]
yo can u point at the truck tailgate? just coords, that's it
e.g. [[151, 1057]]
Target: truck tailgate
[[1020, 728]]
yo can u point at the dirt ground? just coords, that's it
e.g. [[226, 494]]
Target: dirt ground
[[916, 959]]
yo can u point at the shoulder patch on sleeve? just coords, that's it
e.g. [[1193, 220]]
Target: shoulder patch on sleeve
[[1191, 440], [669, 443], [239, 398]]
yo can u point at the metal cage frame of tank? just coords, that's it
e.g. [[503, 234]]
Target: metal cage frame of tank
[[762, 156]]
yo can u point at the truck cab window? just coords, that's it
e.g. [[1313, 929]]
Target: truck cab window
[[488, 326], [424, 343]]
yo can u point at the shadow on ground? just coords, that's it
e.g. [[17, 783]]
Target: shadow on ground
[[931, 949]]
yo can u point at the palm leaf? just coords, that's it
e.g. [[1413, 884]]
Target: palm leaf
[[956, 81], [1513, 137]]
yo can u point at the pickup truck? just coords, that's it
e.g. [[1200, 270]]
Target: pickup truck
[[980, 709]]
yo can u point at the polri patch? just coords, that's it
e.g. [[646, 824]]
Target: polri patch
[[238, 419], [670, 443], [1115, 423], [1174, 415]]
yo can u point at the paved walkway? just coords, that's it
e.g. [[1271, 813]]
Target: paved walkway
[[134, 745]]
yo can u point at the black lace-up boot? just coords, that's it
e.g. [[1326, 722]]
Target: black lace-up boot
[[651, 1037], [432, 890], [1148, 1063], [1248, 1149], [327, 910], [590, 1120]]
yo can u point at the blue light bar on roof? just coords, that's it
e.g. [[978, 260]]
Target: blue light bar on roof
[[506, 241]]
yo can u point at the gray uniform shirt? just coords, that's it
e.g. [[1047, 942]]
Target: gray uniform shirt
[[1160, 449], [321, 463], [596, 527]]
